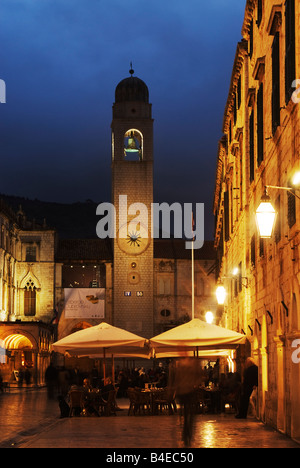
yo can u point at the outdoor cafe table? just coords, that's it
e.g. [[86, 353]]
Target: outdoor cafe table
[[153, 394]]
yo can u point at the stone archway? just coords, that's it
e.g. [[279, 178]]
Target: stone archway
[[20, 356], [280, 341]]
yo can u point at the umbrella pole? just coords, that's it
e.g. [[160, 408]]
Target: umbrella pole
[[104, 376], [113, 369], [193, 273]]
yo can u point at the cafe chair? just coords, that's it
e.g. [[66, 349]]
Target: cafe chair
[[109, 407], [76, 402], [139, 401], [166, 399], [133, 401]]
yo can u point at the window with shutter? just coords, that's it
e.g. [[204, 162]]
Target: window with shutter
[[259, 12], [240, 277], [261, 247], [275, 84], [253, 247], [251, 39], [234, 108], [291, 209], [278, 221], [290, 48], [226, 215], [260, 124], [251, 148], [239, 92]]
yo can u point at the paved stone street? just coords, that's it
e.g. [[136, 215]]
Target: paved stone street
[[29, 420]]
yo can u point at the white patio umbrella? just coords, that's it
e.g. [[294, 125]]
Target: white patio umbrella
[[174, 352], [196, 336], [98, 340]]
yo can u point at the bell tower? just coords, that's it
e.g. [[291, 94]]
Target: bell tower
[[132, 196]]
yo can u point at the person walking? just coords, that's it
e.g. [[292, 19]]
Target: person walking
[[250, 381], [185, 377], [51, 376]]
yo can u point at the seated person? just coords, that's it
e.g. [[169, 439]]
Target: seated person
[[91, 401], [86, 386], [108, 386]]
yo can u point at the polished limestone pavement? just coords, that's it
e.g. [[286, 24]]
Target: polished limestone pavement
[[30, 420], [157, 432]]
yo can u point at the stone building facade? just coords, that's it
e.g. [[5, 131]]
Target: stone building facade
[[261, 147], [27, 294]]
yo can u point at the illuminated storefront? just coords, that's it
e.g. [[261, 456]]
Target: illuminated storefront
[[25, 352]]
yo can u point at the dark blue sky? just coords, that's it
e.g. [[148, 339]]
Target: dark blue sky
[[61, 61]]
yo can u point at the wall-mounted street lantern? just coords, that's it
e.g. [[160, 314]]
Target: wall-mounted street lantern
[[265, 217], [266, 214], [221, 294], [209, 317]]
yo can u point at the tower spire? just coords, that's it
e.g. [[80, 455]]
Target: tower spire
[[131, 71]]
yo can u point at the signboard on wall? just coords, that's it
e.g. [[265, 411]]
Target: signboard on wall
[[84, 303]]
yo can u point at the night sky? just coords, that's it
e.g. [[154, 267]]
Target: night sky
[[61, 61]]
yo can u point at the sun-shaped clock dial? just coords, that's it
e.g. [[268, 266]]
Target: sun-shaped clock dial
[[134, 239]]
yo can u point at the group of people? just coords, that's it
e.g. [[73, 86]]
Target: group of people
[[139, 377], [20, 376], [59, 380], [231, 387]]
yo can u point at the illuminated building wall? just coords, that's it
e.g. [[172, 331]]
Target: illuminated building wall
[[261, 146]]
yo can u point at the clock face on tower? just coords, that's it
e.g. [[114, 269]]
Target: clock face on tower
[[133, 239]]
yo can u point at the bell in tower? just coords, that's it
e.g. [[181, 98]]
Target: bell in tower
[[132, 144]]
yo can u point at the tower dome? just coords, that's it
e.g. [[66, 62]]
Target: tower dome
[[132, 89]]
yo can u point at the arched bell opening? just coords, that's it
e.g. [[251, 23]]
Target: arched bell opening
[[133, 145]]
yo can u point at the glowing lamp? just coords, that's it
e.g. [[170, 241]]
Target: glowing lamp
[[265, 217], [296, 179], [209, 317], [221, 294]]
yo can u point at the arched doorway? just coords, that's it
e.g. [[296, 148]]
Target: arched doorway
[[280, 341], [264, 367], [18, 364]]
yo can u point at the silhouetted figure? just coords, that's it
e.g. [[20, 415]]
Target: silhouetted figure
[[51, 380], [185, 377], [250, 381]]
